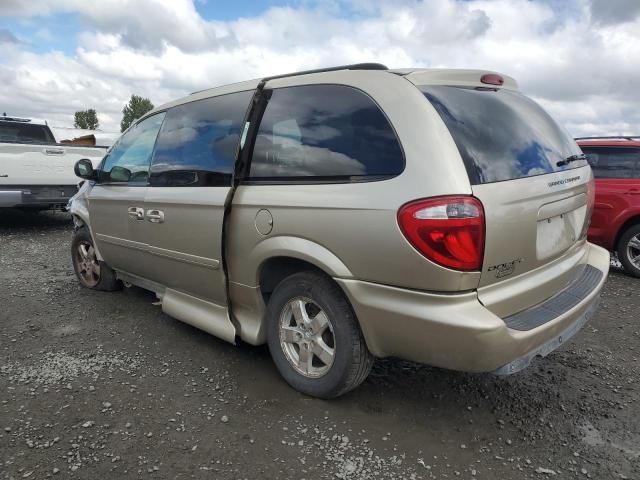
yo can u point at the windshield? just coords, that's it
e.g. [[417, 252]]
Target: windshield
[[501, 134], [25, 133]]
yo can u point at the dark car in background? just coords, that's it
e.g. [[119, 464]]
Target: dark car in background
[[615, 223]]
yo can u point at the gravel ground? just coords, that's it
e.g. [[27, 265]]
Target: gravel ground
[[104, 385]]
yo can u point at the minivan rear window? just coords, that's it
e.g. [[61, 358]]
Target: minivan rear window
[[501, 134]]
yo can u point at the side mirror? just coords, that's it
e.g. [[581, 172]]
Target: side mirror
[[84, 169], [120, 174]]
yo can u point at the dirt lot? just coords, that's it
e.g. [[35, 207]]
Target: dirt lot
[[103, 385]]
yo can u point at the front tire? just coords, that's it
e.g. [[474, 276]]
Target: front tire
[[314, 338], [91, 272], [629, 250]]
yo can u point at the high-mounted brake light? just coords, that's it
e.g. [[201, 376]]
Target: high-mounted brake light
[[492, 79], [447, 230]]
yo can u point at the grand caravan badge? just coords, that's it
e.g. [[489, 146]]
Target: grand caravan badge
[[564, 181], [505, 269]]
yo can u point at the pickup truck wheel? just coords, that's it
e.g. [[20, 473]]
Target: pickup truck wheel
[[91, 272], [629, 250], [314, 337]]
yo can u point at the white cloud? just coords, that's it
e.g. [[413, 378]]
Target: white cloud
[[140, 24], [580, 60]]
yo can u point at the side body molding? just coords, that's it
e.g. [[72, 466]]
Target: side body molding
[[207, 316]]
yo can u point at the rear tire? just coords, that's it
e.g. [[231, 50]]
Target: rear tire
[[629, 250], [314, 337], [91, 272]]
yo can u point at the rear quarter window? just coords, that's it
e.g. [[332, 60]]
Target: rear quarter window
[[501, 134], [614, 162], [324, 133]]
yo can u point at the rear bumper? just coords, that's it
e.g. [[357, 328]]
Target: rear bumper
[[37, 196], [457, 331], [550, 345]]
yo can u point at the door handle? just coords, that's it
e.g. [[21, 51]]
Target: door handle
[[155, 216], [136, 212], [53, 151], [633, 191]]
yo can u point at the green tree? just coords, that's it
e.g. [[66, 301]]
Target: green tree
[[87, 119], [133, 110]]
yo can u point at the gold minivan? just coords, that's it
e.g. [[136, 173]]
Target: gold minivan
[[350, 213]]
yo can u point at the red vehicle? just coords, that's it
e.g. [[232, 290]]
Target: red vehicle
[[615, 224]]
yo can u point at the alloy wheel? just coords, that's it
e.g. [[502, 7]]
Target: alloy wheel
[[633, 251], [306, 337], [87, 264]]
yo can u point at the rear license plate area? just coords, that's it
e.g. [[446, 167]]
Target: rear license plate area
[[557, 234]]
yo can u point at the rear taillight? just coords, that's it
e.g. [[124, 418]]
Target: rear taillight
[[446, 230]]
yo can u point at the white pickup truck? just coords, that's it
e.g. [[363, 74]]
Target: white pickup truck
[[36, 172]]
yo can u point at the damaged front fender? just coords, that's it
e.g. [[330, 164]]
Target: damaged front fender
[[78, 206]]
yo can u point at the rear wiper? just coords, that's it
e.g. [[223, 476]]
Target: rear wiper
[[572, 158]]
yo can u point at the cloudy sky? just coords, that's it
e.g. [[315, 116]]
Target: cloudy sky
[[579, 58]]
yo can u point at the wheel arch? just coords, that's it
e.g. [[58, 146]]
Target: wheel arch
[[79, 210], [275, 269], [80, 219], [633, 220], [277, 254], [277, 258]]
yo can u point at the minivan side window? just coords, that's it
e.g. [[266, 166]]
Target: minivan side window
[[128, 161], [198, 142], [613, 162], [324, 132]]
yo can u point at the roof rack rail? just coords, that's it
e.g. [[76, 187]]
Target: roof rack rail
[[612, 137], [353, 66]]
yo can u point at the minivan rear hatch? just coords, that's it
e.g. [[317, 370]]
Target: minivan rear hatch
[[535, 186]]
